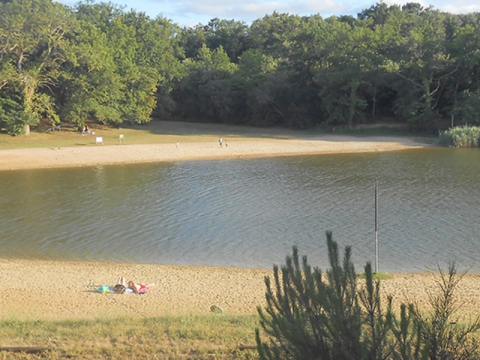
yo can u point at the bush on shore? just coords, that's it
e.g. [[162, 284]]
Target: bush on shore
[[315, 315], [461, 136]]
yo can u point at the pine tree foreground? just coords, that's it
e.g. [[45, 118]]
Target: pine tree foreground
[[314, 315]]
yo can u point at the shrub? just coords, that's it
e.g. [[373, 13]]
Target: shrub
[[462, 136], [440, 331], [314, 315]]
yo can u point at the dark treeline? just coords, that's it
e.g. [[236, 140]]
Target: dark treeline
[[98, 62]]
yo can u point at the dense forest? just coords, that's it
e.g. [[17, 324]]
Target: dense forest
[[97, 62]]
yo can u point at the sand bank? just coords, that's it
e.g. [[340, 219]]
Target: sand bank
[[68, 290], [92, 155], [59, 290]]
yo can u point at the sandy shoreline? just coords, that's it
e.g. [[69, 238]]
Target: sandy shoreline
[[68, 290], [60, 290], [35, 158]]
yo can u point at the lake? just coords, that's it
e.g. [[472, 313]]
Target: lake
[[250, 212]]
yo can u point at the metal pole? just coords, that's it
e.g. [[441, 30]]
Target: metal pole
[[376, 227]]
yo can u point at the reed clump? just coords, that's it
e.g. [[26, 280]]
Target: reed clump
[[461, 136]]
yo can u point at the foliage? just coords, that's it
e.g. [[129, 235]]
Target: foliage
[[461, 136], [10, 111], [467, 108], [315, 315], [98, 62], [33, 48], [440, 332]]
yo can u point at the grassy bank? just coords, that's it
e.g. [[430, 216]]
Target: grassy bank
[[155, 132], [169, 132], [172, 337], [69, 136]]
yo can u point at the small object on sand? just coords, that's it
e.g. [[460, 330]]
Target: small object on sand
[[216, 309], [104, 289]]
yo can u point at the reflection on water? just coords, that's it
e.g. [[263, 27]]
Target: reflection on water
[[249, 213]]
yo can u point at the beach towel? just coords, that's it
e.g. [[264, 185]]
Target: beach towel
[[104, 289]]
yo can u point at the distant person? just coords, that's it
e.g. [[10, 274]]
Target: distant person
[[226, 143], [130, 287], [220, 141], [121, 286], [121, 281], [139, 288], [177, 144]]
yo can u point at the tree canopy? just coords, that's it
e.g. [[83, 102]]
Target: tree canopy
[[97, 62]]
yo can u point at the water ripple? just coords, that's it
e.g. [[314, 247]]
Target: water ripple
[[249, 213]]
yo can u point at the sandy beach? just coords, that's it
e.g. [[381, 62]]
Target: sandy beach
[[61, 290], [68, 290], [35, 158]]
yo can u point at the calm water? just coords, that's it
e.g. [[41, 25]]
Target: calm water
[[249, 213]]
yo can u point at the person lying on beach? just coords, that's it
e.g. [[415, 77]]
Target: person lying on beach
[[139, 288], [121, 286]]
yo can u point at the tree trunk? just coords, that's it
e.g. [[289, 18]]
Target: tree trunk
[[26, 129]]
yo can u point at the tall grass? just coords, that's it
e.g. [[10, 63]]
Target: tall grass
[[462, 136], [170, 337]]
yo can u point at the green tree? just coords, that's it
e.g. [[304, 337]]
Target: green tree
[[125, 62], [275, 100], [231, 35], [315, 315], [92, 87], [10, 111], [157, 58], [310, 314], [191, 40], [273, 34], [206, 91], [33, 47], [422, 65], [463, 92]]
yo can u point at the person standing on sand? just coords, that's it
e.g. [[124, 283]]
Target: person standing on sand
[[220, 141]]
